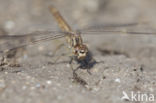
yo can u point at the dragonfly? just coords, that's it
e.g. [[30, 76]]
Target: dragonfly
[[80, 52]]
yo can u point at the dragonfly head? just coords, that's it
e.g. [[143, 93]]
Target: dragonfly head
[[81, 51]]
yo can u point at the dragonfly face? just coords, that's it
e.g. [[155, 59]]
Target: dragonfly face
[[80, 51]]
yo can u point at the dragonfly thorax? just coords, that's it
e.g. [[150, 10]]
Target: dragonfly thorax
[[75, 39]]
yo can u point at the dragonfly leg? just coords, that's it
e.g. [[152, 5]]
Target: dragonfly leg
[[58, 48], [71, 66], [78, 79], [88, 70], [55, 51], [74, 70], [71, 62], [63, 54]]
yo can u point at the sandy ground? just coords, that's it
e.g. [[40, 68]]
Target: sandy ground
[[126, 63]]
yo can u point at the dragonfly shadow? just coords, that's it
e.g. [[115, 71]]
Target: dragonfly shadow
[[87, 63]]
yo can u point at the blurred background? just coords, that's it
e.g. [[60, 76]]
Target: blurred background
[[18, 16]]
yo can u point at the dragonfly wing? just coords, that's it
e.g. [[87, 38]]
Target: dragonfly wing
[[116, 32], [8, 43], [108, 26], [135, 30]]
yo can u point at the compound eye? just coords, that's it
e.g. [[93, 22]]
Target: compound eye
[[76, 51], [82, 52]]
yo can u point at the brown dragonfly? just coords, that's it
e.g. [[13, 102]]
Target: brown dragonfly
[[80, 52]]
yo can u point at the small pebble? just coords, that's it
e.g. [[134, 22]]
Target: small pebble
[[9, 25], [6, 72], [48, 82], [151, 89], [68, 65], [58, 84], [59, 97], [117, 80], [28, 77], [2, 84], [70, 86], [43, 67], [24, 87], [40, 48], [38, 85], [95, 89], [25, 56], [32, 88]]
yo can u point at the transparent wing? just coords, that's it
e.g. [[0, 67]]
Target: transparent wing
[[107, 32], [106, 26], [8, 43], [130, 28]]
